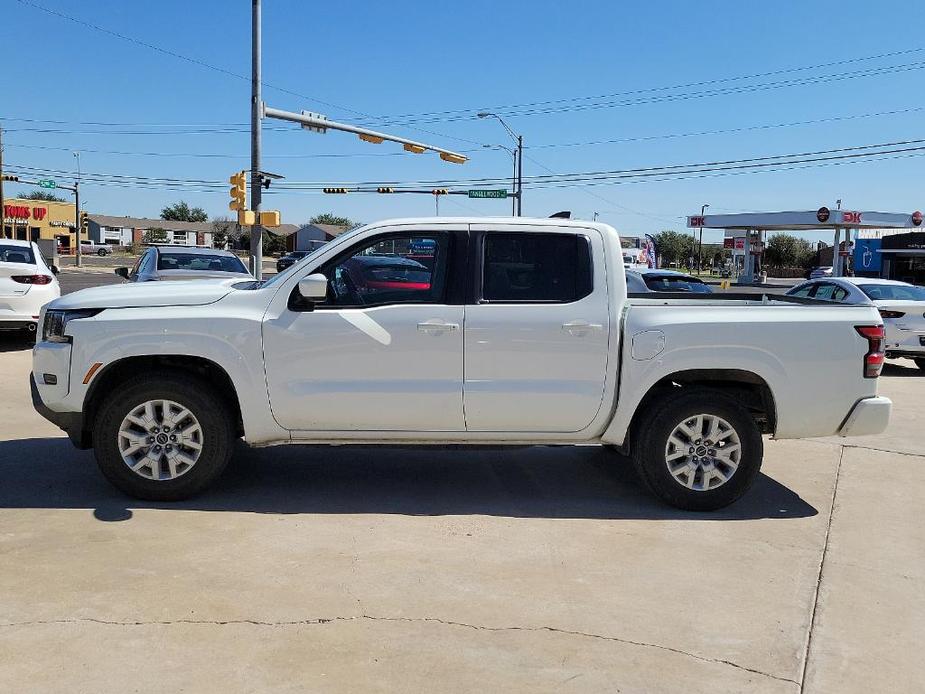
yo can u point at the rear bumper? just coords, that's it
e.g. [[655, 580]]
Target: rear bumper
[[868, 416], [71, 423]]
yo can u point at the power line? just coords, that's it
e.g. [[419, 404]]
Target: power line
[[664, 98], [215, 68], [687, 85]]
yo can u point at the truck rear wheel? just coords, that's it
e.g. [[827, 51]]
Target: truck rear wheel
[[163, 436], [699, 451], [920, 363]]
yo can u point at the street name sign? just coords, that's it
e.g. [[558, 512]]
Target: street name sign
[[500, 194]]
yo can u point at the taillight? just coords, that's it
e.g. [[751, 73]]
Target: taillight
[[873, 360], [32, 279], [887, 313]]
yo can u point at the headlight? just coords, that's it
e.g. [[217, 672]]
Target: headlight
[[56, 322]]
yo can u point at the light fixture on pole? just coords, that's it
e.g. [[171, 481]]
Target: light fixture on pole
[[520, 156]]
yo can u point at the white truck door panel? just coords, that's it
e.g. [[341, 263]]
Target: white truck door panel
[[382, 351], [389, 368], [535, 367]]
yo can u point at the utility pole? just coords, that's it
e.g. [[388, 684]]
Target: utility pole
[[2, 203], [703, 209], [77, 228], [256, 115], [520, 175]]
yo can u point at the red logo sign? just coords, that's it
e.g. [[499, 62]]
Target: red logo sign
[[916, 218], [851, 217], [740, 244], [38, 213], [822, 214], [696, 221], [23, 212], [729, 243]]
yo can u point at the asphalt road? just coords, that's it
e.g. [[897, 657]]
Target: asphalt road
[[456, 569]]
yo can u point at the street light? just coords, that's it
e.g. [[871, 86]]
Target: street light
[[513, 153], [700, 244], [520, 156]]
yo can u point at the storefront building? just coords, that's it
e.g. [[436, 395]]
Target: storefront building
[[904, 257], [32, 220]]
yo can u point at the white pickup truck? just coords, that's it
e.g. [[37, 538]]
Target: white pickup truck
[[434, 331]]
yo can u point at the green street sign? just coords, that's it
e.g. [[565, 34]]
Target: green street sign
[[501, 194], [47, 183]]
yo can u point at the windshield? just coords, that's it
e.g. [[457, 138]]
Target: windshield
[[16, 254], [200, 261], [676, 284], [893, 292]]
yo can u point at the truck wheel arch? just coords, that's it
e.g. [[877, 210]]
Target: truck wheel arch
[[110, 376], [748, 387]]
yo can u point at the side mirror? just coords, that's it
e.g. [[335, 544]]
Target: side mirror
[[122, 272], [314, 287], [55, 269]]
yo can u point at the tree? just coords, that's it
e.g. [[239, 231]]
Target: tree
[[223, 231], [784, 250], [154, 236], [673, 247], [331, 218], [181, 212], [42, 195]]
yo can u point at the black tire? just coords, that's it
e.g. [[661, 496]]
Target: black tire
[[102, 252], [192, 393], [659, 422], [920, 363]]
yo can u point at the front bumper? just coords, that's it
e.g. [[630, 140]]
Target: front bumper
[[72, 423], [868, 416]]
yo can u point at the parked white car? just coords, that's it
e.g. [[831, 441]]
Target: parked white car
[[27, 282], [507, 331], [901, 306]]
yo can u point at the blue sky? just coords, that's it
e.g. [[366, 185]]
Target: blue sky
[[368, 62]]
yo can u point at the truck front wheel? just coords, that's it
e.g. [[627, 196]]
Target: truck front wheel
[[163, 436], [698, 451]]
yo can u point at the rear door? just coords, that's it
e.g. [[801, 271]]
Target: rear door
[[536, 329]]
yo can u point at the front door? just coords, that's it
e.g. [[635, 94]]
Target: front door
[[537, 336], [383, 352]]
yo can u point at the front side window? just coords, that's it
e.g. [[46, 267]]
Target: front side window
[[390, 270], [540, 268]]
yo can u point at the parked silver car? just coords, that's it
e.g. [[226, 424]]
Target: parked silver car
[[184, 263], [901, 306]]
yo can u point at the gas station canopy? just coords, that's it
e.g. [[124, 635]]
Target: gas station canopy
[[815, 220], [755, 224]]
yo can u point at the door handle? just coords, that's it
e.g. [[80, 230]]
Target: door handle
[[437, 326], [580, 327]]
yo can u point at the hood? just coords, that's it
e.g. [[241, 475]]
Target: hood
[[140, 294]]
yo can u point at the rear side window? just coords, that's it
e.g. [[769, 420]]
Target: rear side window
[[16, 254], [830, 292], [545, 268]]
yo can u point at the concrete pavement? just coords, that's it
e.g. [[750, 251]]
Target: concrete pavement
[[413, 569]]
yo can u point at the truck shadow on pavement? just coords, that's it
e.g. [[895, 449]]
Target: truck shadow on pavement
[[537, 482]]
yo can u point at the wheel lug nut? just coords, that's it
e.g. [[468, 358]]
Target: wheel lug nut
[[173, 437], [711, 452], [169, 447], [690, 450], [157, 449], [150, 439]]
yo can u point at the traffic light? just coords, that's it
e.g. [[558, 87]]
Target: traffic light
[[5, 177], [335, 191], [385, 190], [439, 191], [84, 223], [238, 191], [269, 218]]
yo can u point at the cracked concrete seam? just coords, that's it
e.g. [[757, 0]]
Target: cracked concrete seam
[[328, 620]]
